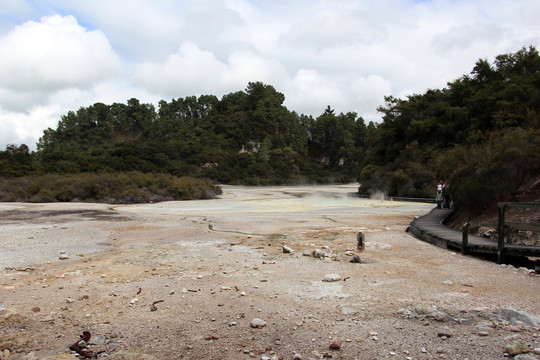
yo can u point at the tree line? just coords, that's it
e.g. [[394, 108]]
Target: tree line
[[481, 133]]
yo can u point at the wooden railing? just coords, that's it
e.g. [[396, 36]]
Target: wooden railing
[[504, 226]]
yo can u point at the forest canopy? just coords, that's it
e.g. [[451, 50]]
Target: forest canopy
[[481, 133]]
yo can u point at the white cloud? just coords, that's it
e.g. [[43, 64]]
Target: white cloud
[[54, 53], [26, 128], [310, 92], [192, 71], [189, 70]]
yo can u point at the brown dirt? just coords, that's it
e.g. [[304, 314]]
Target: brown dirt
[[184, 280]]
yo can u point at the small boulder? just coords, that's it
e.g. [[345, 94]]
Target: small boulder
[[516, 347], [287, 250], [336, 343], [332, 277], [318, 254], [258, 323], [445, 331]]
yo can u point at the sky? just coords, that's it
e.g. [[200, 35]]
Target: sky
[[59, 55]]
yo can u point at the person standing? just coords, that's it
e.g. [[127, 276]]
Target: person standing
[[439, 196], [439, 199], [446, 196]]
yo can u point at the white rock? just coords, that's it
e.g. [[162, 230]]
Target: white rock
[[258, 323], [318, 254], [287, 250], [332, 277]]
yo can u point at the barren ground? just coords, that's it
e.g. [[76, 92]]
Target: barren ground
[[184, 280]]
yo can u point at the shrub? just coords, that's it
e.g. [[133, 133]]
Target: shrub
[[130, 187]]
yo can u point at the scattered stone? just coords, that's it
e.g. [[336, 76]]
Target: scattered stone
[[97, 340], [486, 325], [356, 259], [332, 277], [258, 323], [422, 309], [517, 316], [448, 282], [297, 356], [63, 255], [307, 253], [525, 357], [287, 250], [336, 343], [517, 347], [445, 331], [318, 254], [13, 342]]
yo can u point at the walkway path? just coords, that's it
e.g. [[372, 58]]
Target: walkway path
[[430, 228]]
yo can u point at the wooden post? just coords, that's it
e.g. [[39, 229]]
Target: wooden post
[[360, 242], [465, 239], [502, 235]]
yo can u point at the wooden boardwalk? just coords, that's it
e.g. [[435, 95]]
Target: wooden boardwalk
[[430, 228]]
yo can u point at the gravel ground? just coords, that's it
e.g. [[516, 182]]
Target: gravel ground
[[185, 280]]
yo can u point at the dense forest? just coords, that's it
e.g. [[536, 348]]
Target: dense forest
[[481, 133]]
